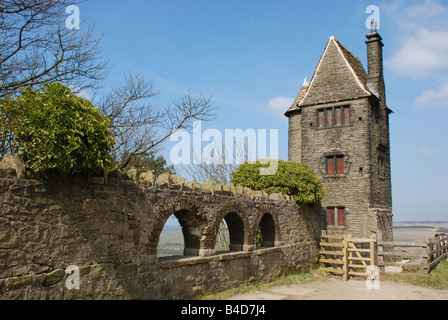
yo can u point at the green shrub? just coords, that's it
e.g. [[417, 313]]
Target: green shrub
[[293, 179], [55, 130]]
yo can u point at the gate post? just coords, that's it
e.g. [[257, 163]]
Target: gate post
[[345, 257], [372, 250]]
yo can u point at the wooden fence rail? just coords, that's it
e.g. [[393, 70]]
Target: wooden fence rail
[[343, 255], [437, 249], [333, 254], [399, 249], [431, 251]]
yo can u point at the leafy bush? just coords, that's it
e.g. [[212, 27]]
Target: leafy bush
[[293, 179], [149, 161], [55, 130]]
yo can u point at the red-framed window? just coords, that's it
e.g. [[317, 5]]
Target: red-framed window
[[333, 117], [321, 118], [336, 216], [335, 164], [346, 112], [337, 116], [331, 220], [329, 115], [341, 216]]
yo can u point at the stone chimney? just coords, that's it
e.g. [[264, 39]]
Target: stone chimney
[[375, 79]]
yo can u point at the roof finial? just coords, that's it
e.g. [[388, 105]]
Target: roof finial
[[374, 26], [305, 82]]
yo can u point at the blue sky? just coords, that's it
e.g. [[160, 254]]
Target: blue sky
[[253, 56]]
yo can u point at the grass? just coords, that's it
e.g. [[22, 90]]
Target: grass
[[315, 274], [437, 279]]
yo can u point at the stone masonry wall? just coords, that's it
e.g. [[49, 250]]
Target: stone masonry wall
[[363, 189], [351, 189], [295, 137], [110, 231]]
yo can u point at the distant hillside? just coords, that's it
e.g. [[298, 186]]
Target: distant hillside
[[172, 240], [171, 243], [418, 230]]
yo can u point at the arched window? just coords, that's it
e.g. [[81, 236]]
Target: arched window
[[185, 239], [266, 235], [235, 231], [171, 242]]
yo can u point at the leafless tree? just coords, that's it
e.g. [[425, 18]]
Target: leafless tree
[[139, 126], [218, 173], [217, 170], [36, 47]]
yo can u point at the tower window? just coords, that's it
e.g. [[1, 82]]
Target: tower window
[[381, 171], [337, 116], [329, 117], [335, 164], [321, 118], [333, 117], [336, 216], [331, 212], [346, 115]]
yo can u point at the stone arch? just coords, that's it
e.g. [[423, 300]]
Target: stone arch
[[236, 231], [267, 221], [191, 218], [233, 212]]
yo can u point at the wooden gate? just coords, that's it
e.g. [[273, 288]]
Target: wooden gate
[[345, 256]]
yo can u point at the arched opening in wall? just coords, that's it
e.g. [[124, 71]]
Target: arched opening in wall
[[266, 236], [181, 239], [171, 242], [235, 230], [223, 238]]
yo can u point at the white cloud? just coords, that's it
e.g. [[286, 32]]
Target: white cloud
[[433, 98], [421, 48], [410, 16], [280, 105], [425, 150], [422, 37], [422, 54], [427, 10]]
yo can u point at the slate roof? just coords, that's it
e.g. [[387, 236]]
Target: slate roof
[[295, 105], [339, 76]]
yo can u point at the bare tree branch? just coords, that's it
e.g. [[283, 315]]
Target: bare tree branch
[[139, 126], [216, 170], [36, 47]]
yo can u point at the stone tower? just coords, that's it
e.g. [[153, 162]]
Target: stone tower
[[339, 127]]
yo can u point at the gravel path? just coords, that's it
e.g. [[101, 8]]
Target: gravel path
[[336, 289]]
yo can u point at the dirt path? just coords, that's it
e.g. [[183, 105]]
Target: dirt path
[[335, 289]]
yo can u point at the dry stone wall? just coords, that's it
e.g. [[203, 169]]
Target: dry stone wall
[[110, 231]]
